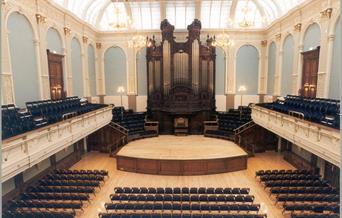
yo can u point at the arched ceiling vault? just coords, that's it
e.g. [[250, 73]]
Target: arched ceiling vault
[[147, 14]]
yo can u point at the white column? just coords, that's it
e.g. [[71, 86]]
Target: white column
[[131, 76], [84, 58], [278, 68], [263, 74], [329, 58], [7, 88], [230, 89], [36, 44], [323, 58], [298, 76], [100, 74], [43, 62], [297, 62], [68, 67]]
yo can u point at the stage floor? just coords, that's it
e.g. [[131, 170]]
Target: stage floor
[[192, 147]]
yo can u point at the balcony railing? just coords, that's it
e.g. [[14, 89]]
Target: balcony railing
[[318, 139], [24, 151]]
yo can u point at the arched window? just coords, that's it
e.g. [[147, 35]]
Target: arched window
[[247, 69], [23, 59], [115, 70], [287, 66]]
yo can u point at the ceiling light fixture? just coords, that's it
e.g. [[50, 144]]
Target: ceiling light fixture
[[137, 41], [245, 23], [120, 20]]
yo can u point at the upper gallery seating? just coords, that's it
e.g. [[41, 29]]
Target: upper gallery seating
[[228, 121], [301, 193], [60, 194], [181, 202], [134, 122], [16, 121], [318, 110]]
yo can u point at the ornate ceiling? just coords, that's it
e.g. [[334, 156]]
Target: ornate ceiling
[[111, 15]]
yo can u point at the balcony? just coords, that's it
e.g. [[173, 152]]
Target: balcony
[[320, 140], [24, 151]]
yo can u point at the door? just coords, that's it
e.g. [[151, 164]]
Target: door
[[55, 63], [309, 73]]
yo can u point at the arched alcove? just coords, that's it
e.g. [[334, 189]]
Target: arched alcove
[[286, 71], [272, 56], [23, 59], [77, 71], [312, 37], [115, 70], [54, 41], [91, 70], [335, 75], [247, 69]]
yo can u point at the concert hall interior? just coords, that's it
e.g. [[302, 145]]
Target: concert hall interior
[[170, 108]]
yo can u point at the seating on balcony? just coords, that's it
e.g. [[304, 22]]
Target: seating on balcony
[[318, 110], [301, 193], [37, 114]]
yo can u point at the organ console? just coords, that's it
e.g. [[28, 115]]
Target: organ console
[[181, 78]]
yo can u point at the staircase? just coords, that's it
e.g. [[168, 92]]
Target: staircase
[[108, 139]]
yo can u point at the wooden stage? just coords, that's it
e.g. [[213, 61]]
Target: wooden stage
[[186, 155]]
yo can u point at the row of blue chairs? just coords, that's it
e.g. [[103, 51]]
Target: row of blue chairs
[[301, 190], [177, 215], [61, 190], [32, 213], [133, 121], [230, 120], [37, 114], [180, 190], [194, 207], [318, 110], [183, 198]]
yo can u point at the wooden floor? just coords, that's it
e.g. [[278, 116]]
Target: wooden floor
[[244, 178], [168, 147]]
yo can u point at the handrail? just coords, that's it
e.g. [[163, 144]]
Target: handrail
[[244, 127], [118, 127]]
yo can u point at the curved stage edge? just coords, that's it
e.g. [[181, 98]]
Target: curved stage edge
[[181, 167]]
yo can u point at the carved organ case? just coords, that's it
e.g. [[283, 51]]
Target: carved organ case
[[181, 77]]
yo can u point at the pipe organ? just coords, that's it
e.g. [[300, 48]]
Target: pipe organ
[[181, 78]]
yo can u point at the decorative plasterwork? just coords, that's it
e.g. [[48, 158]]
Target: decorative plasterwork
[[67, 31], [40, 18], [326, 13], [297, 27], [85, 39], [264, 43]]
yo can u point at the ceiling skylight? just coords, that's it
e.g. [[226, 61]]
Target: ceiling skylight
[[147, 14]]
